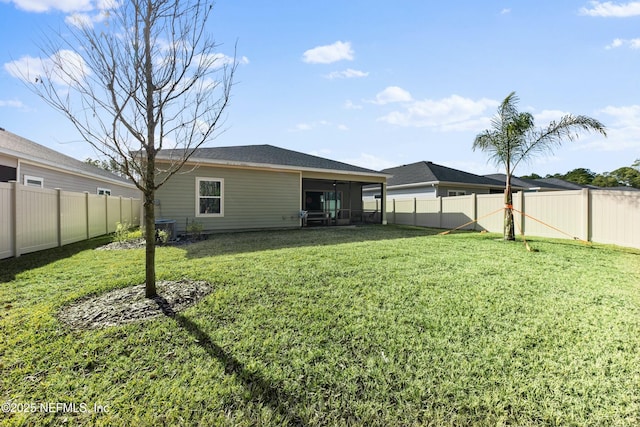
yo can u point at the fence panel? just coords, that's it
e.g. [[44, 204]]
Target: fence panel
[[33, 219], [404, 211], [490, 212], [113, 213], [97, 211], [563, 210], [615, 217], [37, 219], [6, 220], [457, 211], [73, 217], [125, 211], [595, 215], [428, 213]]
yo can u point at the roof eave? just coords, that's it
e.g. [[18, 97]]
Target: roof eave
[[22, 157], [217, 162]]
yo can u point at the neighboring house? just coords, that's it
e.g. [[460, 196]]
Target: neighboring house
[[261, 187], [35, 165], [430, 180], [548, 184]]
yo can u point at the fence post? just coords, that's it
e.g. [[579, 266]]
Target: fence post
[[415, 211], [120, 200], [475, 211], [586, 214], [59, 209], [15, 219], [395, 221], [106, 214], [86, 217], [521, 208], [439, 211]]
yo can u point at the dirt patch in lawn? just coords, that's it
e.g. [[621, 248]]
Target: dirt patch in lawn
[[127, 305]]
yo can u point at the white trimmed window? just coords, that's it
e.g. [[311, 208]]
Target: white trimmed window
[[104, 191], [33, 181], [452, 193], [209, 197]]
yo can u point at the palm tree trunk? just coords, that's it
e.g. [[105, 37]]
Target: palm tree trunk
[[509, 229]]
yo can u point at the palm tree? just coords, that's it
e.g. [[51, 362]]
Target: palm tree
[[513, 138]]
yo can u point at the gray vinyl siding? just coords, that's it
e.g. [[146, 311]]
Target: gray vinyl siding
[[444, 191], [253, 199], [74, 182]]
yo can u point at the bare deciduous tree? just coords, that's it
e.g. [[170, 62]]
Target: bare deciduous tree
[[144, 78]]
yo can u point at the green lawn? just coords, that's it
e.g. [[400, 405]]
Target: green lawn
[[372, 326]]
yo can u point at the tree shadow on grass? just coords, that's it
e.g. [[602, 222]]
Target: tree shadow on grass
[[256, 241], [260, 389], [11, 267]]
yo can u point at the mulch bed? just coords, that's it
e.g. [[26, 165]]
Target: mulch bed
[[127, 305]]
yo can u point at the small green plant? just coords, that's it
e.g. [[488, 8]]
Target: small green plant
[[194, 229], [162, 236], [122, 232], [126, 232]]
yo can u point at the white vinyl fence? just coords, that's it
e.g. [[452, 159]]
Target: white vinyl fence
[[33, 219], [601, 216]]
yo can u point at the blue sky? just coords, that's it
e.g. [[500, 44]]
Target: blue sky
[[380, 84]]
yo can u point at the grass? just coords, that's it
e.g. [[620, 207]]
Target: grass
[[373, 326]]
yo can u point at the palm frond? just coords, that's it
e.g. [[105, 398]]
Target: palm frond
[[546, 140]]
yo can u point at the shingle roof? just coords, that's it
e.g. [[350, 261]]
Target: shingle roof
[[525, 183], [26, 149], [565, 185], [428, 172], [265, 155]]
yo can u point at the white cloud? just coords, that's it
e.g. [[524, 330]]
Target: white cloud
[[219, 60], [543, 118], [505, 11], [328, 54], [29, 68], [631, 43], [623, 129], [454, 113], [349, 73], [11, 103], [304, 127], [47, 5], [616, 43], [349, 105], [610, 9], [392, 94]]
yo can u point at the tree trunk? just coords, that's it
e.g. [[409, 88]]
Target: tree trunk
[[509, 229], [150, 237]]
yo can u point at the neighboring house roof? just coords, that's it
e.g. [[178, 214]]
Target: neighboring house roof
[[432, 173], [565, 185], [25, 149], [265, 155], [530, 184]]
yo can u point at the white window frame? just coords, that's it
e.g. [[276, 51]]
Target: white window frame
[[103, 191], [209, 215], [454, 193], [28, 178]]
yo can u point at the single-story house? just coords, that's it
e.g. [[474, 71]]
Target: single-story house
[[430, 180], [32, 164], [261, 187]]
